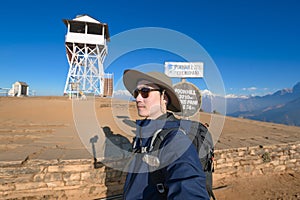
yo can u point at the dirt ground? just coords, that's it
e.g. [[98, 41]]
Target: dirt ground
[[280, 186], [49, 128]]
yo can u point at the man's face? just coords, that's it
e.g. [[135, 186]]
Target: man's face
[[149, 107]]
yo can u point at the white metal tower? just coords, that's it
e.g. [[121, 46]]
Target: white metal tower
[[86, 46]]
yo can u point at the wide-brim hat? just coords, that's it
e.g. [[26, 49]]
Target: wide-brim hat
[[132, 77]]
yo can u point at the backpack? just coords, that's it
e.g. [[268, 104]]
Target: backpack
[[201, 139]]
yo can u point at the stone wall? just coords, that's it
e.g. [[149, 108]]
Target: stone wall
[[257, 160], [85, 179], [52, 179]]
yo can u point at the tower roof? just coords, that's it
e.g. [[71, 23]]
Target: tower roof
[[88, 20]]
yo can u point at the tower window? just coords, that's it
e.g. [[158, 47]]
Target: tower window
[[94, 29], [77, 27]]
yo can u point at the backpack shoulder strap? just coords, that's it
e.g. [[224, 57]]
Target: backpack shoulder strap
[[157, 177], [158, 138]]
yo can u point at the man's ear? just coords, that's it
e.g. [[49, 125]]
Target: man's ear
[[166, 99]]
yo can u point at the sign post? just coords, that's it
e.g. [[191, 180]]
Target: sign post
[[190, 98], [188, 93], [184, 69]]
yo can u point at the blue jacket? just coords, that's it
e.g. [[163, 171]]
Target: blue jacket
[[178, 160]]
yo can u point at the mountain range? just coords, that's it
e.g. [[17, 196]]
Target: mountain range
[[281, 107]]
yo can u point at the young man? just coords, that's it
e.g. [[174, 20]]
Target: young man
[[176, 160]]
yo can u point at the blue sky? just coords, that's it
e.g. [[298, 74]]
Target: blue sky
[[255, 44]]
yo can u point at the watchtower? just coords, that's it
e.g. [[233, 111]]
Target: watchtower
[[86, 47]]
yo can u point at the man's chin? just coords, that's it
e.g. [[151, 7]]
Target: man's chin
[[143, 114]]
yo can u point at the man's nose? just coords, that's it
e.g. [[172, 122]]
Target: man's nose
[[139, 98]]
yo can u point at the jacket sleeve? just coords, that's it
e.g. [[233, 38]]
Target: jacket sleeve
[[184, 176]]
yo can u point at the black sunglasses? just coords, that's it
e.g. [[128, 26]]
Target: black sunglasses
[[144, 92]]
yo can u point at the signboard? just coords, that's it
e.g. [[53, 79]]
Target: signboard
[[184, 69], [190, 98]]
